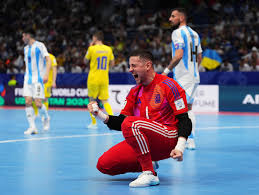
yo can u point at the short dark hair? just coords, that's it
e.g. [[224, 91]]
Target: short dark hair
[[143, 54], [181, 10], [30, 30], [99, 35]]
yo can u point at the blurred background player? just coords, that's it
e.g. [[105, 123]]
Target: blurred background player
[[47, 91], [186, 57], [100, 57], [36, 74]]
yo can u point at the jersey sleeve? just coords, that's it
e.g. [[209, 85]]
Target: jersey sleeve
[[175, 96], [129, 104], [111, 54], [88, 54], [44, 50], [53, 60], [177, 40]]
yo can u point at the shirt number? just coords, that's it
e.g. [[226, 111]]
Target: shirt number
[[102, 62], [194, 51]]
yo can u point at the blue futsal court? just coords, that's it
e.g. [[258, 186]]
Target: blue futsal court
[[62, 161]]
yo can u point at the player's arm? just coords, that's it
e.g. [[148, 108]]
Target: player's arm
[[86, 61], [184, 130], [175, 60], [199, 58], [54, 76], [48, 63], [112, 63], [113, 122]]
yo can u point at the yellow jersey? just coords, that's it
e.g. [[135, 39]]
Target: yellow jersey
[[100, 57], [53, 63]]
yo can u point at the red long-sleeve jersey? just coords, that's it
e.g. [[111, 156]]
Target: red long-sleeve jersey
[[159, 101]]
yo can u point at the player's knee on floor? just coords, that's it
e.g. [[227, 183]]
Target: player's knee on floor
[[105, 166]]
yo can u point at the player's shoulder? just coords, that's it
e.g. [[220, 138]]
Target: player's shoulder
[[167, 82], [51, 56], [26, 47], [134, 90], [39, 43], [177, 31], [107, 47], [193, 31]]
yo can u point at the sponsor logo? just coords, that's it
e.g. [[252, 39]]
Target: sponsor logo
[[249, 99], [139, 101]]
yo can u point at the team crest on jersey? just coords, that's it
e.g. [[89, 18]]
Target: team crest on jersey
[[157, 98], [179, 104]]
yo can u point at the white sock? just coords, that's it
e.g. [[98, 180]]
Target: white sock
[[30, 116], [192, 117], [43, 111]]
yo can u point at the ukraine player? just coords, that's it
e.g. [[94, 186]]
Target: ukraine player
[[100, 57], [47, 91], [186, 57], [38, 64]]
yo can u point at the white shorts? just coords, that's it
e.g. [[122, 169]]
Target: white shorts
[[34, 90], [190, 88]]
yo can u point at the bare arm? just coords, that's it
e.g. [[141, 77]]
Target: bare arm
[[175, 60], [86, 61], [112, 63], [199, 58], [54, 72]]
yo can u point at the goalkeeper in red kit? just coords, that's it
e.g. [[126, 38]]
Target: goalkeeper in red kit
[[154, 123]]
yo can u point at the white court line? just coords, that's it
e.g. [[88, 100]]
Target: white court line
[[104, 134], [56, 137], [227, 127]]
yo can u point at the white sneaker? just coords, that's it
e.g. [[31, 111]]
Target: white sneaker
[[145, 179], [92, 126], [46, 123], [31, 131], [190, 144]]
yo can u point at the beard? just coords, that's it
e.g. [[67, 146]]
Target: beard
[[175, 26]]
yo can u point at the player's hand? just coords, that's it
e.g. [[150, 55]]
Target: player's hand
[[164, 74], [54, 85], [92, 109], [92, 43], [177, 155], [45, 78]]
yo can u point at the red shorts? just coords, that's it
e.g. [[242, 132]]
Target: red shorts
[[147, 137]]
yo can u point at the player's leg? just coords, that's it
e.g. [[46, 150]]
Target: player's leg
[[190, 144], [150, 141], [35, 108], [47, 92], [103, 96], [45, 107], [119, 159], [39, 96], [30, 115], [93, 91]]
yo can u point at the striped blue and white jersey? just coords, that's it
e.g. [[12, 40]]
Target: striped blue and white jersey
[[187, 69], [34, 57]]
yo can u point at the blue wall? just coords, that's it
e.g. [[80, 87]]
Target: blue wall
[[209, 78]]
